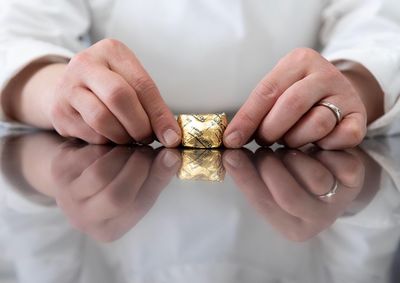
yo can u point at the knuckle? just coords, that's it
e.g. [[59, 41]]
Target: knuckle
[[303, 54], [145, 85], [116, 94], [352, 178], [98, 118], [356, 134], [331, 73], [80, 61], [267, 90], [111, 43]]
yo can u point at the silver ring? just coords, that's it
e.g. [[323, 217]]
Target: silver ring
[[335, 110], [331, 192]]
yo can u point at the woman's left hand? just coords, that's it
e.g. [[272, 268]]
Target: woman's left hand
[[284, 106]]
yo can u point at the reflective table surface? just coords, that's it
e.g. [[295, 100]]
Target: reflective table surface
[[72, 212]]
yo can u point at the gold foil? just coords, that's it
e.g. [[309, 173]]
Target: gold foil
[[202, 130], [202, 165]]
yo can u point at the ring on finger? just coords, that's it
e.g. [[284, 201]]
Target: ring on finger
[[335, 110], [331, 192]]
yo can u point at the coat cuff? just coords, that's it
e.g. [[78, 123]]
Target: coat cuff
[[15, 56], [385, 67]]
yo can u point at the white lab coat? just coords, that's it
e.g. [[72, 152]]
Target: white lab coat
[[208, 55]]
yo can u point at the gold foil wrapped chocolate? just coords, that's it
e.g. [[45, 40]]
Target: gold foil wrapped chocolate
[[202, 130], [202, 165]]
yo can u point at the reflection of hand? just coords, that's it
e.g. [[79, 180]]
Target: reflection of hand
[[105, 191], [285, 186]]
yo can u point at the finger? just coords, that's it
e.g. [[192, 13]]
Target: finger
[[309, 172], [69, 123], [122, 190], [287, 192], [291, 226], [350, 132], [162, 120], [315, 125], [290, 107], [82, 131], [86, 214], [99, 174], [319, 122], [239, 165], [98, 116], [121, 100], [164, 167], [72, 159], [289, 70], [348, 168], [318, 180]]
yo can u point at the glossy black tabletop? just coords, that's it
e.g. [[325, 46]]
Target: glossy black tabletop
[[72, 212]]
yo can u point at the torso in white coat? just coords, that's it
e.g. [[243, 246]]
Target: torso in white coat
[[207, 56]]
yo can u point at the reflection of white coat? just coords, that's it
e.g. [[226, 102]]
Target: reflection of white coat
[[198, 51], [209, 234]]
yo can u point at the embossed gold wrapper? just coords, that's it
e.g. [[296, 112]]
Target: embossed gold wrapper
[[202, 130], [202, 165]]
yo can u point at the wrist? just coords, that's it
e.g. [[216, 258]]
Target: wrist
[[366, 86], [27, 96]]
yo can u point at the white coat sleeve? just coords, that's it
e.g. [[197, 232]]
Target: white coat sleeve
[[368, 32], [36, 29]]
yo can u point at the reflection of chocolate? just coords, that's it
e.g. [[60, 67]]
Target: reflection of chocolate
[[202, 165], [202, 130]]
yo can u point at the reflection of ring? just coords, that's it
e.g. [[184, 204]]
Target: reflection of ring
[[335, 110], [331, 192]]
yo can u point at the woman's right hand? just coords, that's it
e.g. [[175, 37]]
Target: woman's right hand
[[106, 95], [103, 94]]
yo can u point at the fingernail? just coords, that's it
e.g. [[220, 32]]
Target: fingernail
[[170, 137], [234, 139], [233, 159], [170, 159]]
